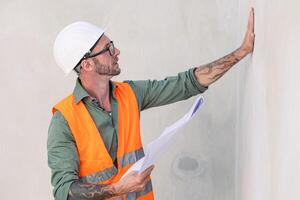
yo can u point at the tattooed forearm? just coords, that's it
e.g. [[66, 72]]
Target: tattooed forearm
[[83, 191], [209, 73]]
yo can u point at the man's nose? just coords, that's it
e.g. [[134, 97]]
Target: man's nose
[[117, 52]]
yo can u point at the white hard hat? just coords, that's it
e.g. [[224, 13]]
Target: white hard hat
[[73, 42]]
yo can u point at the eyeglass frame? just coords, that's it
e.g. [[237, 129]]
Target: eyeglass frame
[[110, 47]]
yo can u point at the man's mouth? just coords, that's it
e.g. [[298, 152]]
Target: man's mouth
[[116, 61]]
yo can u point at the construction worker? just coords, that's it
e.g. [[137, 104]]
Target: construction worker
[[94, 134]]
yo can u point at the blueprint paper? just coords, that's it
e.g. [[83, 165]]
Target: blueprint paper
[[160, 145]]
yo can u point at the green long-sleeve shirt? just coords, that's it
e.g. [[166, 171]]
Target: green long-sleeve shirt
[[62, 152]]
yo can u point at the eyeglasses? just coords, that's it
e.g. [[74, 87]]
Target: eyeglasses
[[109, 47]]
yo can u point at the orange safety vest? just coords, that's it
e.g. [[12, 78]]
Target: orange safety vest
[[96, 165]]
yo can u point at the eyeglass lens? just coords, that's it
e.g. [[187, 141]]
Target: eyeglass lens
[[111, 48]]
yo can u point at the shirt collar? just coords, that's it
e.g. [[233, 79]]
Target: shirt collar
[[80, 93]]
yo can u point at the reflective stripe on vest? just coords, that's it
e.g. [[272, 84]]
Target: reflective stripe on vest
[[127, 159], [100, 176], [96, 165], [132, 157]]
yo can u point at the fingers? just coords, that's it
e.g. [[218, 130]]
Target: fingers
[[147, 179], [147, 171], [251, 20], [144, 183], [134, 181]]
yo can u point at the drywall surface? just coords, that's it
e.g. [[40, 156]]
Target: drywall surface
[[268, 150], [156, 39]]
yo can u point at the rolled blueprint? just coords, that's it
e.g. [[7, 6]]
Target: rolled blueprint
[[156, 148]]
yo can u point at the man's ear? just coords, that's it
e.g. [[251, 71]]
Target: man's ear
[[87, 65]]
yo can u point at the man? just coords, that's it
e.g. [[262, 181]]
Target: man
[[94, 135]]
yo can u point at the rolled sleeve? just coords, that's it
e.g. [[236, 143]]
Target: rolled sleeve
[[152, 93], [62, 156], [195, 83]]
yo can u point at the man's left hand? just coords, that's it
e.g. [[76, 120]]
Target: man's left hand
[[248, 43]]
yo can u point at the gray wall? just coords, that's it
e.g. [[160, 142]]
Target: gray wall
[[156, 39], [268, 106]]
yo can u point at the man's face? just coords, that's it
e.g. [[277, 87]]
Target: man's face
[[105, 63]]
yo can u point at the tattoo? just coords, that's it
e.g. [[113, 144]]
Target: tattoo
[[85, 191], [209, 73]]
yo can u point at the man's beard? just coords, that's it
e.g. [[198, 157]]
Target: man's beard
[[102, 69]]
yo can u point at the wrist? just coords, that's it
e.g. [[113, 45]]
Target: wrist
[[241, 52], [117, 188]]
